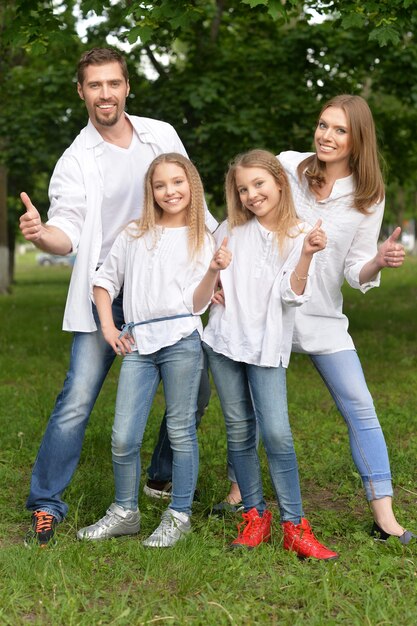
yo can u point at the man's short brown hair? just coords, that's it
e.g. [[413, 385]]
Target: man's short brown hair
[[101, 56]]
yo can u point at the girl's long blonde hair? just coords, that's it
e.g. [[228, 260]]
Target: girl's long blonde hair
[[364, 157], [285, 214], [196, 210]]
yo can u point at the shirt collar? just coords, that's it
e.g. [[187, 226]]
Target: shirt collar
[[342, 187], [95, 139]]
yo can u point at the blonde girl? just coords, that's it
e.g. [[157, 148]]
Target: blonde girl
[[248, 342], [165, 264]]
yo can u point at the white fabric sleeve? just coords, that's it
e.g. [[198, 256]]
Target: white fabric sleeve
[[221, 232], [68, 203], [197, 272], [110, 275], [288, 296], [364, 247]]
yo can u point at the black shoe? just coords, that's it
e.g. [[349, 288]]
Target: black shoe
[[380, 535], [43, 529], [226, 508]]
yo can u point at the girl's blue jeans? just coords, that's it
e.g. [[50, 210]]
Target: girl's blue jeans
[[250, 394], [160, 467], [179, 367], [343, 375]]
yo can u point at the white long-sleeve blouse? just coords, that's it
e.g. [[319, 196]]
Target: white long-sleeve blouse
[[256, 324], [158, 280], [321, 327]]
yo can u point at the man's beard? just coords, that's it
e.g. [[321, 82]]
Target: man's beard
[[106, 120]]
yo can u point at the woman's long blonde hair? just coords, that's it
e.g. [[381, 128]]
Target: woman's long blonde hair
[[285, 215], [196, 210], [364, 157]]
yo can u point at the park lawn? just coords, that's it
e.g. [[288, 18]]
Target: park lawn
[[200, 581]]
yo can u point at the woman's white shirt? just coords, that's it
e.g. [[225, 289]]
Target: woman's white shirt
[[255, 326], [158, 280], [321, 326]]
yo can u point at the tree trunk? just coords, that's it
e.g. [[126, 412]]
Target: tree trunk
[[4, 249]]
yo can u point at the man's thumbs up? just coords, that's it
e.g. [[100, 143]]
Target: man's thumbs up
[[30, 222]]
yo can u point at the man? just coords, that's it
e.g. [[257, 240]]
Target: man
[[95, 189]]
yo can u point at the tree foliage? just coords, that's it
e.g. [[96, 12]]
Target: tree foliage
[[36, 22], [229, 74]]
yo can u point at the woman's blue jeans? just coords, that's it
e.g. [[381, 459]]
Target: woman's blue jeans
[[250, 394], [179, 367], [343, 375]]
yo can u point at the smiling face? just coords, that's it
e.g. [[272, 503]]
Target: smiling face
[[104, 90], [171, 191], [332, 138], [259, 192]]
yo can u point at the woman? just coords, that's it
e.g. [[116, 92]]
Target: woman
[[341, 184]]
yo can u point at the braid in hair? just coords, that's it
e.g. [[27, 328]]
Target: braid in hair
[[196, 217]]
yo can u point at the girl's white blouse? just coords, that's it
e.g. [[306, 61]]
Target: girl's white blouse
[[321, 326], [256, 324], [158, 280]]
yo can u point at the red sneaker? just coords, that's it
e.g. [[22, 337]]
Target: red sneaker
[[253, 530], [300, 539]]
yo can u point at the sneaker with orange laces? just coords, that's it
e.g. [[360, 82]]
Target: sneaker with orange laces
[[299, 538], [43, 529], [253, 530]]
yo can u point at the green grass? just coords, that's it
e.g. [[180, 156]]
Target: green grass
[[200, 581]]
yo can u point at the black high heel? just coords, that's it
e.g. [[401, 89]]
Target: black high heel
[[380, 535]]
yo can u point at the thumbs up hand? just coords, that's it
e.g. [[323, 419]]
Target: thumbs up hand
[[30, 222], [391, 253], [315, 240], [222, 257]]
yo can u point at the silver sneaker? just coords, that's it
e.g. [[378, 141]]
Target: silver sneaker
[[173, 526], [117, 522]]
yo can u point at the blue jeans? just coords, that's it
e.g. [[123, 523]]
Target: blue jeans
[[179, 367], [250, 394], [160, 467], [59, 453], [343, 376], [90, 361]]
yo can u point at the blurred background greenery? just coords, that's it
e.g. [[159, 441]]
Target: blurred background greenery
[[230, 75]]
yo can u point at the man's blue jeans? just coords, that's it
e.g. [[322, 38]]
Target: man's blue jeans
[[251, 394], [59, 453], [179, 367]]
